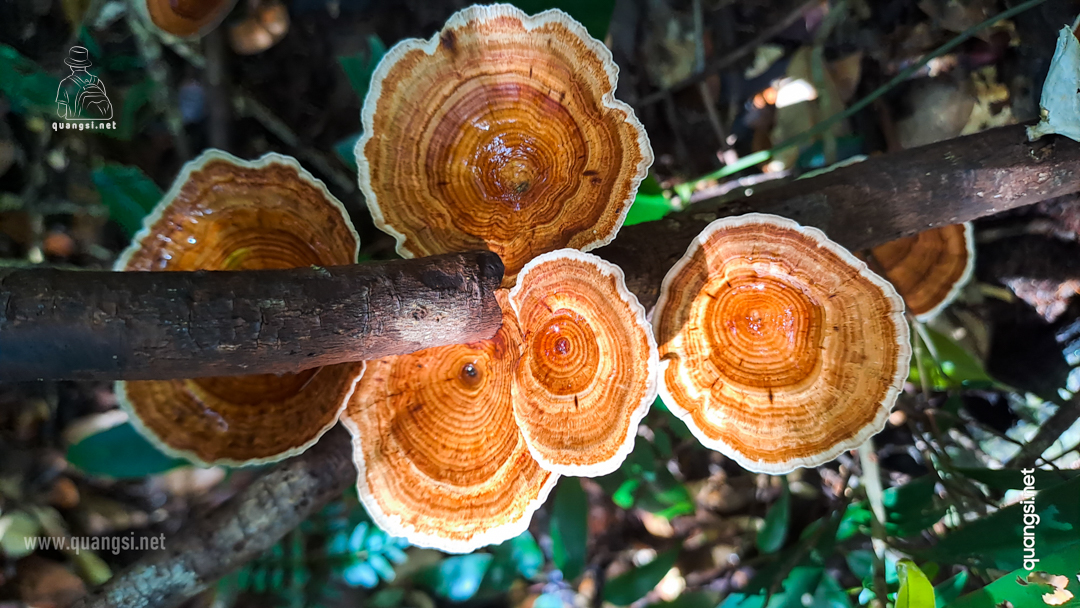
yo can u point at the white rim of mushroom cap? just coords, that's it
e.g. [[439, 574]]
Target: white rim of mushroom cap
[[885, 404]]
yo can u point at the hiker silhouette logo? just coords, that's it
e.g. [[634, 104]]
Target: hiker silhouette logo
[[81, 96]]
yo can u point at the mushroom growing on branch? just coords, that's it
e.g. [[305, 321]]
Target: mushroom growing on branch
[[223, 213], [588, 370], [500, 132], [778, 347], [440, 457], [929, 269]]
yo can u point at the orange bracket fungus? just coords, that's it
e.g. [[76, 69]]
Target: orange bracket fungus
[[588, 370], [441, 459], [929, 269], [223, 213], [778, 347], [185, 18], [501, 132]]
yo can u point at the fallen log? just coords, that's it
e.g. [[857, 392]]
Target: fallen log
[[58, 324]]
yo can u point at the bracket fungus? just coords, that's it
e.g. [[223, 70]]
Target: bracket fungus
[[778, 347], [184, 18], [929, 269], [441, 460], [500, 132], [588, 370], [223, 213]]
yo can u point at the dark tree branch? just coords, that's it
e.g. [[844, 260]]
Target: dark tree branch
[[860, 206], [875, 201], [159, 325], [237, 531]]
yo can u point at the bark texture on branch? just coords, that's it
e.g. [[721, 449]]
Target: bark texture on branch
[[876, 201], [237, 531], [861, 206], [57, 324]]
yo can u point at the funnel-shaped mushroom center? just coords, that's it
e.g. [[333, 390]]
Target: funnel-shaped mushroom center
[[500, 132], [781, 349], [440, 457], [195, 9], [565, 354], [761, 331]]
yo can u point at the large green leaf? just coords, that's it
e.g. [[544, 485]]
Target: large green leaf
[[997, 540], [950, 589], [26, 85], [1020, 591], [361, 66], [773, 532], [595, 15], [650, 204], [915, 589], [128, 194], [569, 527], [120, 452], [804, 587], [457, 578], [631, 586]]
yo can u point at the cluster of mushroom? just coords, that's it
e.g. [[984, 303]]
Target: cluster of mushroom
[[777, 346], [502, 132]]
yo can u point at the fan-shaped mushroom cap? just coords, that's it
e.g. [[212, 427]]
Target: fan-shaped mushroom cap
[[501, 132], [929, 269], [184, 18], [778, 347], [223, 213], [441, 460], [587, 374]]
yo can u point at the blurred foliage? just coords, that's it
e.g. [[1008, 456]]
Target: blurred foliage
[[127, 193], [120, 452]]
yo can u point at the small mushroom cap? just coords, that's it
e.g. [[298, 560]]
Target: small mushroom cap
[[500, 132], [185, 18], [778, 347], [587, 374], [929, 269], [223, 213], [441, 461]]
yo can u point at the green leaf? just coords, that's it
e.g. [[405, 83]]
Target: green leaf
[[457, 578], [915, 589], [26, 85], [647, 208], [1020, 591], [346, 151], [361, 66], [624, 496], [950, 589], [960, 366], [361, 574], [595, 15], [128, 194], [997, 540], [569, 527], [120, 452], [136, 97], [527, 556], [861, 564], [773, 532], [631, 586]]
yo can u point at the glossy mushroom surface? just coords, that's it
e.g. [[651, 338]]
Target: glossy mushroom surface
[[441, 460], [500, 132], [587, 374], [185, 18], [929, 269], [778, 347], [223, 213]]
